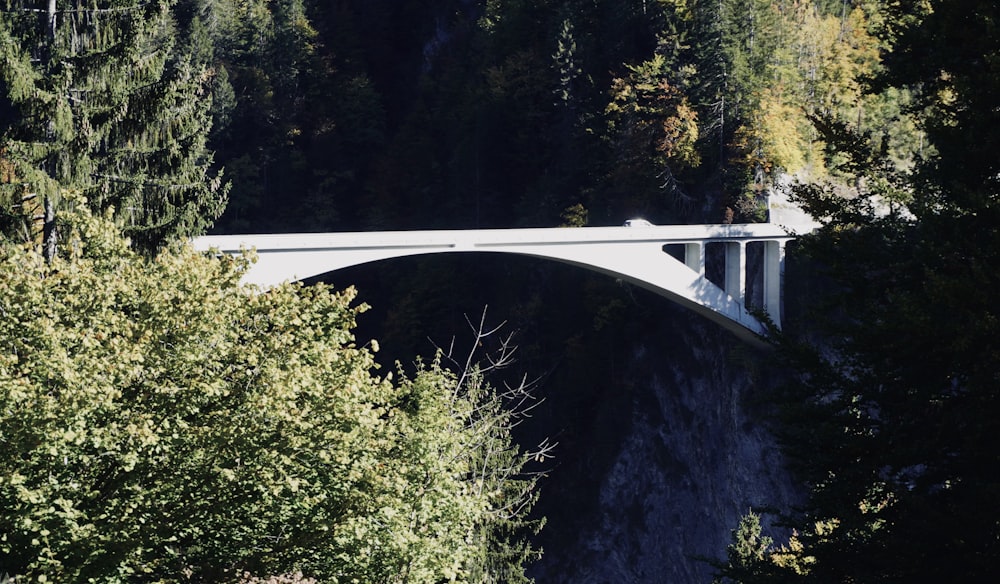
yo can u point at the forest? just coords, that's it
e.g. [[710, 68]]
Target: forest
[[161, 422]]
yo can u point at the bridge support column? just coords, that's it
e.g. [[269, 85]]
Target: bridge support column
[[736, 271], [774, 277], [694, 257]]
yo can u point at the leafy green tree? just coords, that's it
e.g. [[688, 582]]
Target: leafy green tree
[[102, 101], [160, 420], [653, 132]]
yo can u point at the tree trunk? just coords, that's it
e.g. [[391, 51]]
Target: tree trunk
[[49, 236], [49, 225]]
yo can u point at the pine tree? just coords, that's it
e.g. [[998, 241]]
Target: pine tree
[[103, 101], [747, 554]]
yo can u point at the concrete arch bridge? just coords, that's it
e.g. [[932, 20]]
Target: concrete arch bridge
[[669, 260]]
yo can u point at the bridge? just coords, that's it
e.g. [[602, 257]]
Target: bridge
[[669, 260]]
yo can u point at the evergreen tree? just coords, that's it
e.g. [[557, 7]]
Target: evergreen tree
[[104, 100], [308, 120], [747, 555], [892, 423], [951, 58], [733, 50]]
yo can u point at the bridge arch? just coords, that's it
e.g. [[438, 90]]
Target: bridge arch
[[632, 254]]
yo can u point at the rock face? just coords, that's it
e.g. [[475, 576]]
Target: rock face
[[676, 456]]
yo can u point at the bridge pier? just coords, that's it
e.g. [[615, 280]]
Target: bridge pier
[[736, 271], [694, 257], [735, 274], [774, 275]]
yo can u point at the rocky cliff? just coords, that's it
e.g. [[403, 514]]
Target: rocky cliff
[[671, 460]]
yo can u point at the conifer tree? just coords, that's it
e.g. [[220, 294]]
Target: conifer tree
[[892, 420], [733, 48], [101, 101]]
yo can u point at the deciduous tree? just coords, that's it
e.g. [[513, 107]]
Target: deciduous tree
[[159, 419]]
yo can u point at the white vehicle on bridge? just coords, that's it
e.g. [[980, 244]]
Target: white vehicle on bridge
[[638, 223]]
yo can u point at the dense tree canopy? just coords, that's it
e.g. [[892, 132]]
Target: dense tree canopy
[[160, 420], [120, 376]]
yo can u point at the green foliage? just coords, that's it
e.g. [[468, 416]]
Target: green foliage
[[296, 578], [159, 420], [648, 106], [565, 58], [574, 216], [888, 422], [950, 61], [307, 122], [653, 131], [104, 103], [728, 52]]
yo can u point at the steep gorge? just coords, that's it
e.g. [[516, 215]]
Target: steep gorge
[[684, 454], [659, 415]]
